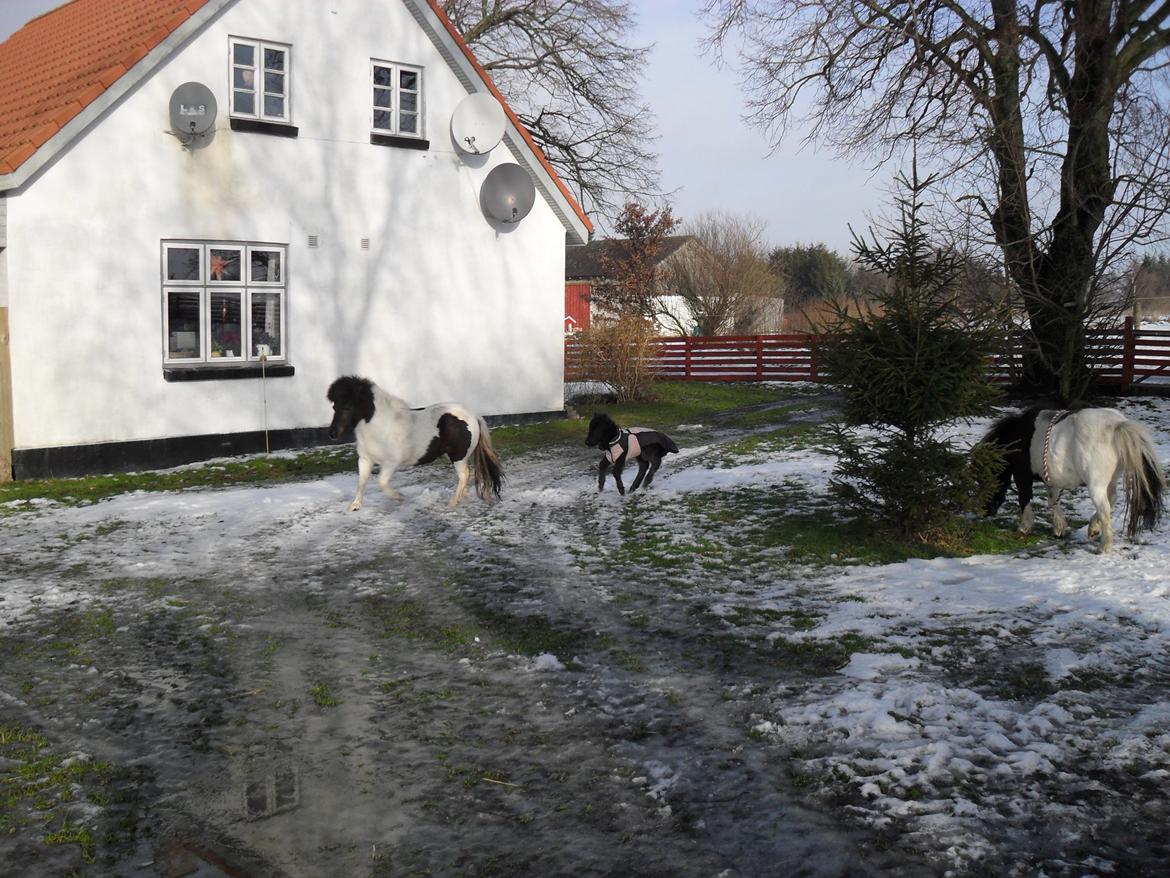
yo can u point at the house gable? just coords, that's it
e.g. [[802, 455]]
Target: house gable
[[66, 68]]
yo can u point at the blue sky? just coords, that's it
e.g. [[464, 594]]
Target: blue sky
[[709, 157]]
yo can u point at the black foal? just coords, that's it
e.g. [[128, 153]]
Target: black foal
[[640, 444]]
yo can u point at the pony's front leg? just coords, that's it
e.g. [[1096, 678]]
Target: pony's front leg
[[602, 469], [1059, 525], [365, 467], [384, 482], [464, 472], [617, 475]]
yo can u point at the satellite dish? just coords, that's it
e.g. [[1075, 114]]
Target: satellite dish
[[192, 110], [477, 124], [508, 193]]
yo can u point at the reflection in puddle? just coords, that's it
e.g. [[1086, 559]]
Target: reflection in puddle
[[274, 792]]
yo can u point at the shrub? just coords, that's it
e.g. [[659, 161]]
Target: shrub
[[621, 353]]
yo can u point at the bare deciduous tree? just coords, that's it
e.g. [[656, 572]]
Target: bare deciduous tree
[[567, 70], [1049, 117], [632, 284], [723, 279]]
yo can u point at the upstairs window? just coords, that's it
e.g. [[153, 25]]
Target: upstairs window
[[260, 80], [397, 95]]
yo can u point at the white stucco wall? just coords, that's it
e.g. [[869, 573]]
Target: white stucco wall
[[444, 304]]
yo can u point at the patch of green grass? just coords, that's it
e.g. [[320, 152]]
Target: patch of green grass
[[72, 834], [411, 620], [530, 635], [310, 464], [797, 619], [323, 695], [820, 656], [38, 784], [674, 403]]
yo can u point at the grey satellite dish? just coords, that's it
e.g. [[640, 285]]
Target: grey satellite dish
[[192, 110], [478, 123], [508, 193]]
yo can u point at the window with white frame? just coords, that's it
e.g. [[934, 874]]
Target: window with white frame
[[223, 302], [260, 80], [397, 93]]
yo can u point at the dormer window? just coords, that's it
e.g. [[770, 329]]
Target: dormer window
[[260, 80], [397, 95]]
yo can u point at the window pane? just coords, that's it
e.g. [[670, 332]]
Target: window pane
[[274, 59], [383, 119], [244, 77], [183, 325], [266, 324], [408, 79], [244, 54], [409, 102], [383, 97], [244, 101], [266, 266], [183, 263], [383, 76], [274, 107], [408, 123], [224, 264], [274, 83], [225, 325]]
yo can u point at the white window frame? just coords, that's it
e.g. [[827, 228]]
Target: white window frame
[[396, 99], [259, 91], [244, 288]]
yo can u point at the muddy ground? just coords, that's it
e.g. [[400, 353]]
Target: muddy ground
[[254, 682]]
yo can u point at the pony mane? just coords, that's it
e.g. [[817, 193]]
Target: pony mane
[[1014, 431]]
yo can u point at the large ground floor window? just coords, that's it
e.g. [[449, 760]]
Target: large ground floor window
[[223, 302]]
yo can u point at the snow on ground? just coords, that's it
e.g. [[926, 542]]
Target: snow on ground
[[984, 707]]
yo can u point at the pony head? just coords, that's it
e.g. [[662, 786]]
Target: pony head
[[353, 401], [602, 429]]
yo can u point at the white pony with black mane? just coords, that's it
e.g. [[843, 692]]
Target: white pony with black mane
[[392, 434], [1090, 447]]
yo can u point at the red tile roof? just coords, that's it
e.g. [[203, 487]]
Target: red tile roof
[[58, 63]]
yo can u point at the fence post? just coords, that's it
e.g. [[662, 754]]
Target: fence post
[[759, 358], [686, 358], [1128, 355], [812, 359]]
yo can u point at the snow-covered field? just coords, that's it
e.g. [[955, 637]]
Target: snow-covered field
[[721, 704]]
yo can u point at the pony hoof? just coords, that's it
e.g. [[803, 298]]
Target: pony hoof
[[354, 507]]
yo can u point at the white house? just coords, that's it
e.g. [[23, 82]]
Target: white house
[[166, 297]]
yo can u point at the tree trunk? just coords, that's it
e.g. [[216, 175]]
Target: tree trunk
[[1057, 283]]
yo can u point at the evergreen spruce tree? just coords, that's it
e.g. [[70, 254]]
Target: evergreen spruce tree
[[909, 362]]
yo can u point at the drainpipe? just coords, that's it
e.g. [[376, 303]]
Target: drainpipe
[[7, 434]]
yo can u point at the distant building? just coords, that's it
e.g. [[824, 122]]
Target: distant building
[[585, 268]]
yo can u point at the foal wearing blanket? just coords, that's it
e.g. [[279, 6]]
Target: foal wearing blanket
[[1065, 450], [640, 444], [392, 434]]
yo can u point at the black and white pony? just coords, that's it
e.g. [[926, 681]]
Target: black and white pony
[[633, 444], [392, 434], [1090, 447]]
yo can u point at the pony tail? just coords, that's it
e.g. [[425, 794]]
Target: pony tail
[[489, 471], [1144, 481]]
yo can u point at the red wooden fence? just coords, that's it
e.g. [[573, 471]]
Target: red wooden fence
[[1124, 357]]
